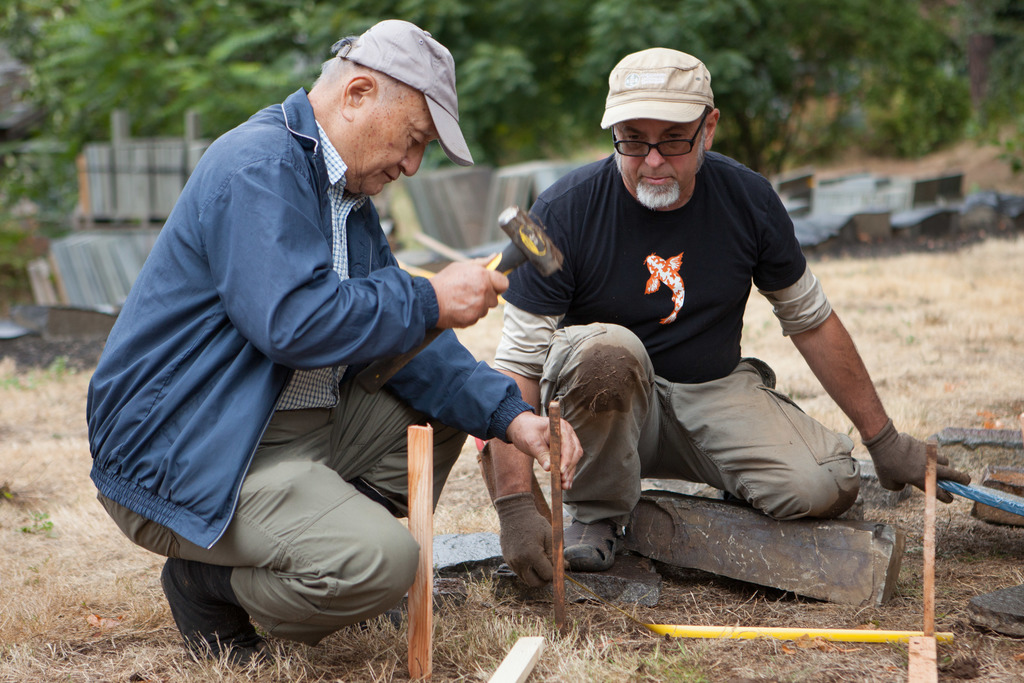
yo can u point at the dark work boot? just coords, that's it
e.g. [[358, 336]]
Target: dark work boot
[[207, 612], [591, 547]]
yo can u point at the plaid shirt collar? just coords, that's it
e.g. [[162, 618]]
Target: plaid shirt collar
[[336, 166]]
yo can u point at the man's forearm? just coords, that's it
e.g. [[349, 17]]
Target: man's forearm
[[833, 358], [513, 469]]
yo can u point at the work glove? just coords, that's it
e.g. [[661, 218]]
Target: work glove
[[525, 538], [900, 460]]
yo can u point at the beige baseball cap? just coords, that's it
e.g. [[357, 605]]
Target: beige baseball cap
[[658, 83], [409, 54]]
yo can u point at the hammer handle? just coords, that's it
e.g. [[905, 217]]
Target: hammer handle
[[508, 260]]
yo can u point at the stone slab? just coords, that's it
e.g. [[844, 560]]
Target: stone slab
[[448, 593], [631, 580], [12, 330], [872, 493], [460, 554], [65, 322], [974, 449], [1005, 480], [843, 561], [872, 226], [929, 221], [692, 488], [1001, 611]]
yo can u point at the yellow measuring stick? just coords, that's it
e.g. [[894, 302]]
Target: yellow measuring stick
[[846, 635]]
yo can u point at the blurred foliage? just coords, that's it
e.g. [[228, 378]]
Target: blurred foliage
[[156, 59], [37, 183], [1001, 115], [920, 100], [532, 76], [796, 80], [1003, 20]]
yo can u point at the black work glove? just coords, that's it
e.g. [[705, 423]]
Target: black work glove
[[525, 538], [900, 460]]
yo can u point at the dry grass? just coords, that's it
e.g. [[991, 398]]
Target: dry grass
[[937, 332]]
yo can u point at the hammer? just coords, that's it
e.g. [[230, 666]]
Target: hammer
[[529, 242]]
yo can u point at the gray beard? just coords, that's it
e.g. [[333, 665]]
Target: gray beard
[[656, 197]]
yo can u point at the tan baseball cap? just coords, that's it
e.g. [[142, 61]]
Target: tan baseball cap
[[409, 54], [658, 83]]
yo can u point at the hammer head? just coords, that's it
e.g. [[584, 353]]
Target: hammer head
[[531, 243]]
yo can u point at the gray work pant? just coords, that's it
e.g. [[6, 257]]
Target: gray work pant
[[734, 433], [311, 554]]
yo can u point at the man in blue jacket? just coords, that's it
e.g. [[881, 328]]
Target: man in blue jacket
[[225, 431]]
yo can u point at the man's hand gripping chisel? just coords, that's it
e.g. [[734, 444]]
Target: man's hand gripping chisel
[[529, 242]]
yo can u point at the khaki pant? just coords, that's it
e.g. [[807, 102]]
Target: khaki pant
[[734, 433], [310, 553]]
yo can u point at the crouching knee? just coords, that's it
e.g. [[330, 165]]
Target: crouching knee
[[603, 367], [384, 570], [355, 582]]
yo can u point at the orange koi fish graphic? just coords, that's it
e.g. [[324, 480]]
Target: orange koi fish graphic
[[667, 273]]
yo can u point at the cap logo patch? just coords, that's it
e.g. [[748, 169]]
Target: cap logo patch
[[645, 80]]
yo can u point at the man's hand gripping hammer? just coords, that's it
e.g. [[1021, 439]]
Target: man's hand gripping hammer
[[528, 242]]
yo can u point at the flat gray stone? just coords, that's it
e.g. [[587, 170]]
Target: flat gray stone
[[66, 322], [974, 449], [690, 488], [1001, 611], [872, 493], [843, 561], [872, 226], [927, 221], [458, 554], [12, 330], [631, 580], [447, 593]]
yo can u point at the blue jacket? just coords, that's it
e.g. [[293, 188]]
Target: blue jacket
[[238, 291]]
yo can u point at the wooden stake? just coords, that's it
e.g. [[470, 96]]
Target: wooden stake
[[929, 538], [922, 666], [557, 561], [539, 501], [483, 458], [520, 660], [421, 525]]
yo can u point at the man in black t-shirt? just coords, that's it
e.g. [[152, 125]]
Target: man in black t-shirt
[[638, 335]]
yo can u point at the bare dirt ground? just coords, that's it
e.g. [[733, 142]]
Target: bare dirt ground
[[939, 330]]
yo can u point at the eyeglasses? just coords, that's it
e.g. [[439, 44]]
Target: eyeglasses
[[666, 148]]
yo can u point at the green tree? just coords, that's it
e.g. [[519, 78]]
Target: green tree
[[993, 31], [791, 76], [157, 59]]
